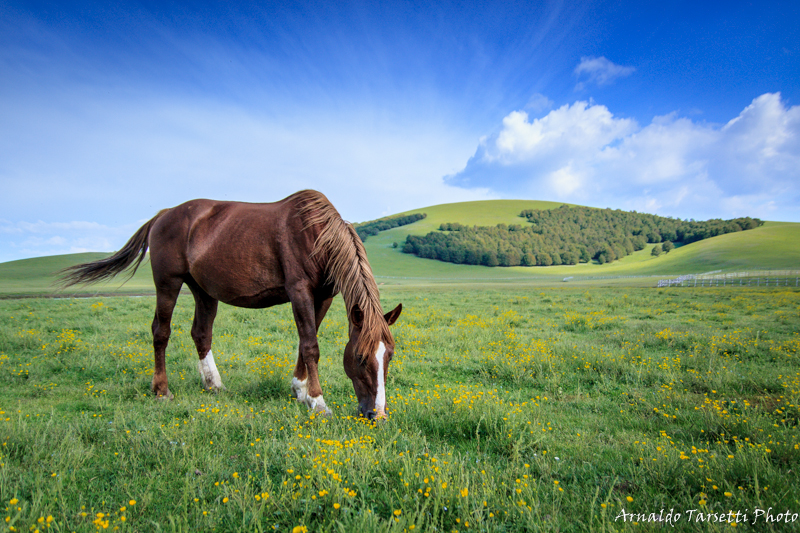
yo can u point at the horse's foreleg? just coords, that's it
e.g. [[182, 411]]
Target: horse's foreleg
[[205, 310], [300, 378], [305, 382]]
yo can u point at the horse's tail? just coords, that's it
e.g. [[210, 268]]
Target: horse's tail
[[109, 267]]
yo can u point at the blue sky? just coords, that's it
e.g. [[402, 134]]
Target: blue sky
[[109, 113]]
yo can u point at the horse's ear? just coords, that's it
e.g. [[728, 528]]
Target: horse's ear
[[357, 316], [392, 316]]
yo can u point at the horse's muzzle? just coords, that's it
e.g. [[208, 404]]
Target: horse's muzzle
[[372, 414], [366, 409]]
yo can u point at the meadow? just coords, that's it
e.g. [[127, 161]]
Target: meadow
[[510, 409]]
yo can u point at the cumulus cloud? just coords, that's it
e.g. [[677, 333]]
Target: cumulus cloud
[[577, 128], [675, 166], [600, 71]]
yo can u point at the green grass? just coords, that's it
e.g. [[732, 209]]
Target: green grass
[[478, 213], [510, 409], [773, 245]]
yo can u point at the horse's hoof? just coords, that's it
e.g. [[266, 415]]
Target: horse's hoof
[[165, 397], [322, 411]]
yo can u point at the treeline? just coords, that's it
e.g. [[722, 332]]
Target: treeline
[[564, 236], [653, 227], [376, 226]]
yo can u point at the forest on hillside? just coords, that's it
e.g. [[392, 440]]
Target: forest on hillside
[[365, 229], [565, 236]]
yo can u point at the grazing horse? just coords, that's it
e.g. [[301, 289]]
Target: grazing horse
[[297, 250]]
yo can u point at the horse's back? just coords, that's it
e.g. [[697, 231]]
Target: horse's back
[[237, 252]]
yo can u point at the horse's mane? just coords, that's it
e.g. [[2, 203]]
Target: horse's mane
[[339, 249]]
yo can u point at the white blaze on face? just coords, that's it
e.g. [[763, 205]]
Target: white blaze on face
[[209, 372], [380, 397]]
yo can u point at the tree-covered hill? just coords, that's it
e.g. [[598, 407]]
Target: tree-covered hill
[[567, 235], [374, 227]]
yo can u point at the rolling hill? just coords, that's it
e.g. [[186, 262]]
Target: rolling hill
[[771, 246], [37, 276]]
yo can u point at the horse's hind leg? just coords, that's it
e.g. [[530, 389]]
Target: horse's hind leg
[[166, 297], [205, 310]]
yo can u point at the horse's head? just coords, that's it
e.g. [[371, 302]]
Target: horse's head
[[368, 371]]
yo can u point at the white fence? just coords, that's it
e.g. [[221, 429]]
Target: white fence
[[758, 278]]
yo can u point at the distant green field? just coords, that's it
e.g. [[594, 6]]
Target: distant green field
[[772, 246]]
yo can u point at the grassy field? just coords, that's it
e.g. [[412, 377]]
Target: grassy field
[[510, 409]]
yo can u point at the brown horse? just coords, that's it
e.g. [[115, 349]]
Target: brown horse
[[297, 250]]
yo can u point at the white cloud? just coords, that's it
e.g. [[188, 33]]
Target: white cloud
[[565, 181], [673, 166], [579, 128], [666, 148], [600, 71], [762, 145]]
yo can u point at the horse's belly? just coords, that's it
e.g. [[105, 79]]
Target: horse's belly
[[266, 298], [240, 285], [243, 293]]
